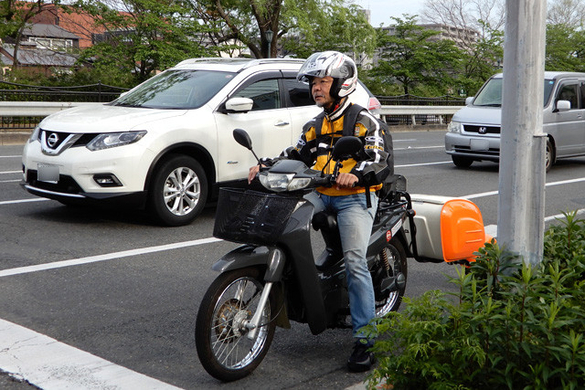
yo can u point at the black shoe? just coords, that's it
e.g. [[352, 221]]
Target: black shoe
[[361, 359]]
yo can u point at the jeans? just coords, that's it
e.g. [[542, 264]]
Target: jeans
[[355, 222]]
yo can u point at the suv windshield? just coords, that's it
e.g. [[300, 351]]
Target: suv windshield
[[491, 93], [176, 89]]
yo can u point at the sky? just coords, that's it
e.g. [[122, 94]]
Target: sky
[[382, 10]]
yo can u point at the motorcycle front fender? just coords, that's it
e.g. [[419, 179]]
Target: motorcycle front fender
[[272, 258]]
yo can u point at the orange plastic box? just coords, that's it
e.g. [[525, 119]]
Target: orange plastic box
[[449, 229]]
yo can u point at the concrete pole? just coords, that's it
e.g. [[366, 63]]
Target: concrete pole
[[522, 167]]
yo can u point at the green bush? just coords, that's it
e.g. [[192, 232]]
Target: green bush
[[509, 325]]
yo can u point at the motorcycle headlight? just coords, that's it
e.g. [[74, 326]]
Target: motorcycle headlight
[[112, 140], [279, 182], [455, 127]]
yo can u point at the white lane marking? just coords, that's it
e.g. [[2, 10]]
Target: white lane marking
[[492, 230], [5, 202], [50, 364], [19, 156], [551, 184], [9, 181], [418, 147], [422, 164], [105, 257], [9, 172]]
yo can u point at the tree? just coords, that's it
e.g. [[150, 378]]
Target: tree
[[478, 25], [565, 48], [566, 12], [565, 37], [483, 16], [302, 26], [413, 56], [144, 36]]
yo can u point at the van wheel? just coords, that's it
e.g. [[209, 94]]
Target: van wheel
[[462, 162], [178, 191], [549, 155]]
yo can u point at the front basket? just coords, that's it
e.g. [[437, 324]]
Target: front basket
[[251, 217]]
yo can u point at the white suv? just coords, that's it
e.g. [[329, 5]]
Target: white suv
[[167, 144]]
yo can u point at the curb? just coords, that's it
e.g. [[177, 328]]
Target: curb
[[14, 138]]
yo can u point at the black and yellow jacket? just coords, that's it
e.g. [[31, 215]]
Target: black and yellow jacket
[[315, 148]]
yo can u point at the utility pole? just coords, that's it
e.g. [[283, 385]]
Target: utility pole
[[522, 152]]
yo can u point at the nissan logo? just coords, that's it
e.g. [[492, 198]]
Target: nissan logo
[[482, 130], [53, 140]]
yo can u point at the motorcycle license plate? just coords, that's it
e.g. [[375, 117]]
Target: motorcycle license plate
[[48, 173]]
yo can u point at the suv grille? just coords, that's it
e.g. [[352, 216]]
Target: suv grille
[[56, 142]]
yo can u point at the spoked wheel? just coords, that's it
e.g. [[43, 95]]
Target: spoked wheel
[[178, 191], [221, 336], [391, 262]]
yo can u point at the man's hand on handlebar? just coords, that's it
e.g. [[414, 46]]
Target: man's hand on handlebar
[[253, 172], [345, 180]]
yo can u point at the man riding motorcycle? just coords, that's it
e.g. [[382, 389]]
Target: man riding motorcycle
[[332, 76]]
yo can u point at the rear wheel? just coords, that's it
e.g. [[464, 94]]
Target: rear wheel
[[462, 162], [178, 191], [221, 336], [389, 263]]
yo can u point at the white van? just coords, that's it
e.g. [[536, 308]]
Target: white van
[[474, 132]]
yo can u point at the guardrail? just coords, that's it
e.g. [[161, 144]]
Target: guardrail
[[393, 115], [440, 115]]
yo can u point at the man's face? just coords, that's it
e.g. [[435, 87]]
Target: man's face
[[320, 87]]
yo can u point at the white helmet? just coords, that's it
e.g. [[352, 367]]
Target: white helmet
[[334, 64]]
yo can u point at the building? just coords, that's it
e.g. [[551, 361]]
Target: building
[[44, 48]]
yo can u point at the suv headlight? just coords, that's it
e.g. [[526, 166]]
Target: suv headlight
[[35, 134], [112, 140], [455, 127]]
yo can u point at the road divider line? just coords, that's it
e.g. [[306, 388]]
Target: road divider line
[[9, 172], [551, 184], [50, 364], [23, 201], [422, 164], [418, 147], [105, 257]]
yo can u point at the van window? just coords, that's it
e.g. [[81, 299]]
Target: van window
[[569, 92], [491, 93]]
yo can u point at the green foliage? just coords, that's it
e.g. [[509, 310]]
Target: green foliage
[[412, 57], [150, 36], [330, 25], [509, 325], [565, 48]]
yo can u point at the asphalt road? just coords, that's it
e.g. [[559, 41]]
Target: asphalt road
[[127, 291]]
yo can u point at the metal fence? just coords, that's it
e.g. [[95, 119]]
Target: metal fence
[[403, 110], [82, 93], [413, 100]]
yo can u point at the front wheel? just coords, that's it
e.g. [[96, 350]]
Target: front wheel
[[221, 336], [178, 191], [461, 162], [390, 264]]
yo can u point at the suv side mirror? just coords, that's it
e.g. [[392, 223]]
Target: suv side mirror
[[239, 104]]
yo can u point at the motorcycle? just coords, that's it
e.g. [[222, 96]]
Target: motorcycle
[[274, 277]]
